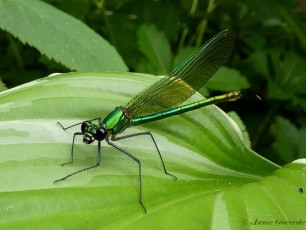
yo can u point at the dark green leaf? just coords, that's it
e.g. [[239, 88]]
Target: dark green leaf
[[287, 139], [226, 79], [2, 86], [289, 80], [155, 46], [256, 41], [293, 23], [259, 60], [182, 55], [302, 143], [239, 122], [58, 36], [290, 141]]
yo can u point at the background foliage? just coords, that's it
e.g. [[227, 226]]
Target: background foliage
[[222, 182], [268, 63]]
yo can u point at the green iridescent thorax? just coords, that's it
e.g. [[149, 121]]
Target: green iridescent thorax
[[116, 122], [91, 127]]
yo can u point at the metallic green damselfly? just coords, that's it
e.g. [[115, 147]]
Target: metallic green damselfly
[[160, 100]]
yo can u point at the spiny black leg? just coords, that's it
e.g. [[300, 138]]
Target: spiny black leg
[[146, 133], [99, 119], [98, 163], [139, 164], [71, 161]]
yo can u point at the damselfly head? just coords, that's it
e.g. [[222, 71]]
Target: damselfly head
[[92, 132], [86, 126], [100, 134], [87, 129]]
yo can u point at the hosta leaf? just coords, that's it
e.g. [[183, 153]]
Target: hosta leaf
[[58, 36], [221, 184]]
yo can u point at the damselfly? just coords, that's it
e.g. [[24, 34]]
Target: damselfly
[[160, 100]]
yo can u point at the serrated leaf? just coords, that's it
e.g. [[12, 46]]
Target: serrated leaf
[[219, 178], [59, 36], [227, 79], [289, 72], [289, 80], [155, 46]]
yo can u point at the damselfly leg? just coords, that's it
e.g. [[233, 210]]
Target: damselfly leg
[[150, 134], [96, 165], [139, 166]]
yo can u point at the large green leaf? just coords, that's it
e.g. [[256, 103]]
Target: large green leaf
[[221, 184], [59, 36]]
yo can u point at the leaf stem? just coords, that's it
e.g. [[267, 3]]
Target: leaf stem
[[203, 25], [101, 5], [194, 6], [183, 37]]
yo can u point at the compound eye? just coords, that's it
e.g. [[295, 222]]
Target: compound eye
[[84, 126], [88, 139], [100, 134]]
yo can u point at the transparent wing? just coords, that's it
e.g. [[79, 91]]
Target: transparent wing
[[172, 90]]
